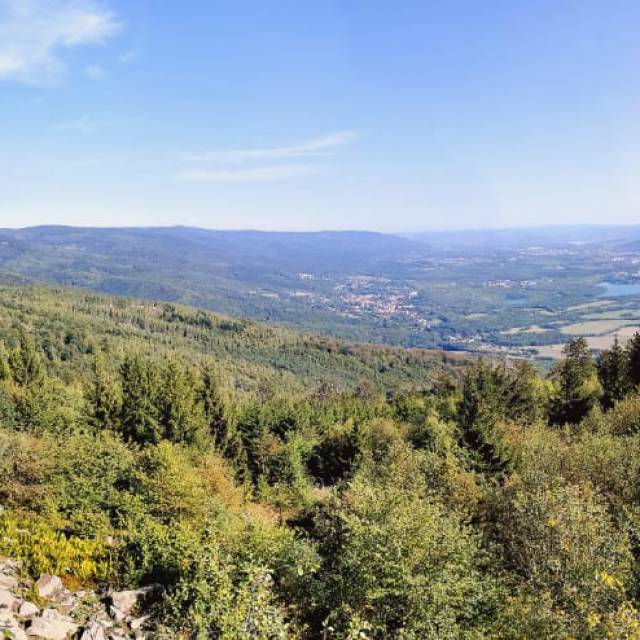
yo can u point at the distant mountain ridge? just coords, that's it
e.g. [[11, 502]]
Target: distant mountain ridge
[[253, 274]]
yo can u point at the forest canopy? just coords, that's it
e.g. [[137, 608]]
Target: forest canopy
[[280, 485]]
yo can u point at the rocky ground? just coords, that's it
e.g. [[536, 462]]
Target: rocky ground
[[47, 609]]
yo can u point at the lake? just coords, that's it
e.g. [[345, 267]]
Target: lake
[[615, 289]]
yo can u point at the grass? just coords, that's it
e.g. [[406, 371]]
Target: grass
[[594, 327]]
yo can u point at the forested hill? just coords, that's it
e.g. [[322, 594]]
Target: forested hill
[[256, 483], [72, 325], [290, 278]]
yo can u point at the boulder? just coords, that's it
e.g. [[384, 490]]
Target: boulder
[[138, 623], [8, 582], [93, 631], [10, 627], [52, 626], [117, 614], [126, 601], [7, 599], [28, 609], [49, 586]]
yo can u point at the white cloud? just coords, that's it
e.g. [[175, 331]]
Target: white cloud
[[320, 146], [87, 125], [260, 164], [266, 173], [35, 33]]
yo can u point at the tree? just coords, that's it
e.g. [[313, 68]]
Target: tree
[[396, 564], [26, 362], [139, 419], [576, 385], [633, 359], [213, 407], [104, 397], [613, 374], [181, 414], [484, 404]]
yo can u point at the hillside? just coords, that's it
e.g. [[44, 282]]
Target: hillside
[[284, 277], [173, 472], [71, 325], [518, 292]]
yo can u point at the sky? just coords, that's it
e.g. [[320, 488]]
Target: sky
[[319, 114]]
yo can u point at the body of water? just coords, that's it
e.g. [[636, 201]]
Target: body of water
[[615, 289]]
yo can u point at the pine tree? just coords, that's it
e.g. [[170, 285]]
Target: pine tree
[[577, 388], [214, 410], [26, 362], [139, 419], [181, 413], [633, 359], [613, 373], [104, 397], [483, 405]]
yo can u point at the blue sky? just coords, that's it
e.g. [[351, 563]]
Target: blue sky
[[279, 114]]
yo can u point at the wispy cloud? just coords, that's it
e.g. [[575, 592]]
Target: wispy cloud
[[34, 35], [267, 173], [320, 146], [87, 125], [260, 164]]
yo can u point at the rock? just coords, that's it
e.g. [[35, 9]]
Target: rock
[[7, 599], [138, 623], [28, 609], [117, 614], [52, 626], [68, 600], [8, 582], [9, 566], [126, 601], [48, 586], [10, 628], [94, 631]]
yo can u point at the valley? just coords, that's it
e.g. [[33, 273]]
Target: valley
[[520, 293]]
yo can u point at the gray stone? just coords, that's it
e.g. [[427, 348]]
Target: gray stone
[[10, 627], [7, 599], [117, 614], [93, 631], [68, 600], [49, 586], [8, 582], [138, 623], [126, 601], [28, 609], [52, 626]]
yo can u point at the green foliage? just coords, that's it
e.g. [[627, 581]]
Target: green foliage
[[285, 486], [576, 385], [46, 550], [395, 563], [613, 373]]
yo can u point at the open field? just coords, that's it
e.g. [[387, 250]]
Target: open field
[[595, 342], [620, 314], [534, 328], [594, 327]]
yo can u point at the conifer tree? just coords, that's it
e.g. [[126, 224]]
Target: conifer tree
[[104, 397], [633, 359], [26, 362], [482, 406], [613, 373], [139, 419], [577, 388], [181, 413], [213, 407]]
